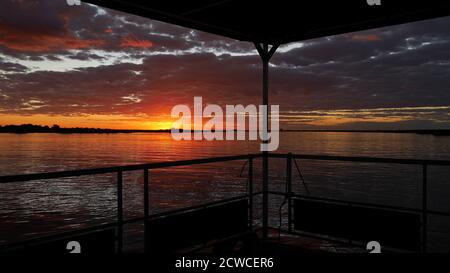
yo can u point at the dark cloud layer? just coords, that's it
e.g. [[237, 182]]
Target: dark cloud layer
[[62, 60]]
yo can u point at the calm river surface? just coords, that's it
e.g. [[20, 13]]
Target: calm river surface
[[40, 207]]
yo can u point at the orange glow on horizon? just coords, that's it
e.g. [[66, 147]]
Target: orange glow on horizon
[[165, 122], [89, 121]]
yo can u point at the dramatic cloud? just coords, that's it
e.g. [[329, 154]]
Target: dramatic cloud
[[130, 41], [100, 65], [366, 37]]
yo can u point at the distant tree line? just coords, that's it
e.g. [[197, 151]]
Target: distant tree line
[[31, 128]]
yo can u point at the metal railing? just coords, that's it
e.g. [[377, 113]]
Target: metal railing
[[289, 194], [119, 170], [424, 163]]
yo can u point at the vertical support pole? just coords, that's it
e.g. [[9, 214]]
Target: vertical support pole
[[119, 212], [146, 210], [265, 55], [424, 207], [265, 159], [289, 189], [250, 190]]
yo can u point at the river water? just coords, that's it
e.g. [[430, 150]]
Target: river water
[[42, 207]]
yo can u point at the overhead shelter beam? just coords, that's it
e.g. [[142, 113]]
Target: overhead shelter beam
[[248, 20]]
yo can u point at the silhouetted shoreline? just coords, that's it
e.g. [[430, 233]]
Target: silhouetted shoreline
[[435, 132], [30, 128]]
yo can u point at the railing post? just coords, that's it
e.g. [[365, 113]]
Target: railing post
[[250, 190], [146, 210], [119, 212], [424, 207], [289, 188]]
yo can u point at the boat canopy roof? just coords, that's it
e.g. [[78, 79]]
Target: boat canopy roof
[[281, 21]]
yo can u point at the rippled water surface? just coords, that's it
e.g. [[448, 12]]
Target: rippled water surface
[[40, 207]]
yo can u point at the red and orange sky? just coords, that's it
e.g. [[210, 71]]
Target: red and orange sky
[[85, 66]]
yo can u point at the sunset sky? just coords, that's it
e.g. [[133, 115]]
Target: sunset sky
[[85, 66]]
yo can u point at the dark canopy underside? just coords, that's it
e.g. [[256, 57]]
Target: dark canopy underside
[[280, 21]]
